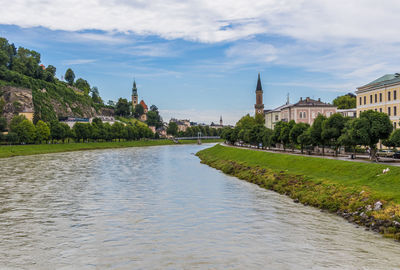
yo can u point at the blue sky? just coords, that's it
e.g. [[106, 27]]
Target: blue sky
[[200, 59]]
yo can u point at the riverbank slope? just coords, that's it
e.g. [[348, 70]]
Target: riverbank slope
[[35, 149], [360, 192]]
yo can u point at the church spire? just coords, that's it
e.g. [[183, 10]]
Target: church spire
[[259, 87], [134, 89]]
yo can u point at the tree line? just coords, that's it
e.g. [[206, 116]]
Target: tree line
[[23, 131], [334, 132], [192, 131]]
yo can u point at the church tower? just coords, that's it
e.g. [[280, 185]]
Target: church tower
[[134, 95], [259, 106], [220, 121]]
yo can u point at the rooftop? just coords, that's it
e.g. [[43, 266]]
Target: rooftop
[[383, 81]]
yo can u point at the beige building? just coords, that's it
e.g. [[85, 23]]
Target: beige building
[[304, 111], [381, 95]]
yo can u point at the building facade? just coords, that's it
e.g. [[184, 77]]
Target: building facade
[[381, 95]]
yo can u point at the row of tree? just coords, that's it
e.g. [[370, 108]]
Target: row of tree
[[23, 131], [335, 132], [192, 131]]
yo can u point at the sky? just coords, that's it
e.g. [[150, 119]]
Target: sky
[[199, 59]]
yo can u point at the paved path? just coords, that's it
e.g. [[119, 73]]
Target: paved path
[[386, 161]]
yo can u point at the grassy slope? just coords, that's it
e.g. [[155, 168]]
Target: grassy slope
[[350, 174], [24, 150]]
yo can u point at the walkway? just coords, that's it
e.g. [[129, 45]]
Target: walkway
[[359, 158]]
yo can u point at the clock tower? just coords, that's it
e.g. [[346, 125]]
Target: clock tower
[[259, 106]]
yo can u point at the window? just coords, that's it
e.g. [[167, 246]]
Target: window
[[376, 110], [370, 99], [389, 111], [276, 117], [394, 95], [380, 109], [365, 100], [389, 96], [304, 115], [394, 110], [360, 101], [380, 97], [376, 98]]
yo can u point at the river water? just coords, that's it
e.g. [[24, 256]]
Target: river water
[[159, 208]]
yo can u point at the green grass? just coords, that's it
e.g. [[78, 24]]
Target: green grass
[[24, 150], [350, 174]]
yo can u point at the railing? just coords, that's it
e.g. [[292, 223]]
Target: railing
[[201, 137]]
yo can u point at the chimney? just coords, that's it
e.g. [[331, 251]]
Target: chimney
[[319, 99], [308, 99], [301, 99]]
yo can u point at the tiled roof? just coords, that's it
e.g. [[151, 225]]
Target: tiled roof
[[384, 80], [309, 102], [143, 104]]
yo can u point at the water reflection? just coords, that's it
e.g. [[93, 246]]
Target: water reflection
[[159, 208]]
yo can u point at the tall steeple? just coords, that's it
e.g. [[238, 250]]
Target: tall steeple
[[259, 106], [220, 121], [134, 95]]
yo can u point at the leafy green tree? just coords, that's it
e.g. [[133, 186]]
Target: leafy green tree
[[82, 85], [138, 111], [345, 102], [305, 139], [122, 108], [296, 131], [2, 104], [395, 138], [70, 76], [81, 131], [56, 131], [96, 95], [3, 124], [42, 131], [51, 70], [316, 132], [27, 62], [267, 137], [285, 133], [348, 138], [26, 131], [15, 121], [172, 128], [332, 129], [154, 119], [371, 127], [118, 131], [255, 135]]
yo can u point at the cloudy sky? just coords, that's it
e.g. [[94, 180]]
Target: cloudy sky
[[199, 59]]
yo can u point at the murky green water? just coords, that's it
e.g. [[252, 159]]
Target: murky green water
[[159, 208]]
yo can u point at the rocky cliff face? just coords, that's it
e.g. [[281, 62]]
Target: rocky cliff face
[[16, 99]]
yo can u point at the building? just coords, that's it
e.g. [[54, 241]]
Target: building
[[304, 111], [216, 126], [352, 113], [259, 106], [28, 113], [143, 117], [381, 95], [182, 124]]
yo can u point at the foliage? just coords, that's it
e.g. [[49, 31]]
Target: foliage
[[138, 110], [25, 131], [42, 131], [332, 129], [172, 128], [15, 121], [154, 118], [3, 124], [395, 138], [345, 102], [69, 76], [83, 85], [122, 108]]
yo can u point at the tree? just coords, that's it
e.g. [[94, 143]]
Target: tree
[[370, 128], [27, 62], [332, 129], [296, 131], [345, 102], [70, 76], [138, 111], [267, 137], [255, 135], [42, 131], [96, 95], [259, 119], [122, 108], [285, 133], [82, 85], [172, 128], [316, 132], [305, 139], [3, 124], [154, 118], [395, 138], [349, 137], [25, 131], [15, 121], [81, 131], [51, 70], [118, 130]]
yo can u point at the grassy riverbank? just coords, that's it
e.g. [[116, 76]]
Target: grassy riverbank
[[351, 189], [25, 150]]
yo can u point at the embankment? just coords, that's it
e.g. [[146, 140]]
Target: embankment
[[25, 150], [359, 192]]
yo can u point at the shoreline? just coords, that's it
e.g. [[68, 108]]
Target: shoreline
[[373, 201], [8, 151]]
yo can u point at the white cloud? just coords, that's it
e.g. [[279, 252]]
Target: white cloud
[[214, 21]]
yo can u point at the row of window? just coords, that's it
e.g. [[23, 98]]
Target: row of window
[[374, 98], [303, 115], [389, 111]]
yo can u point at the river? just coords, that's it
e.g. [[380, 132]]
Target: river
[[160, 208]]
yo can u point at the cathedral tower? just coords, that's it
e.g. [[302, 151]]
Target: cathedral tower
[[259, 106], [134, 95]]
